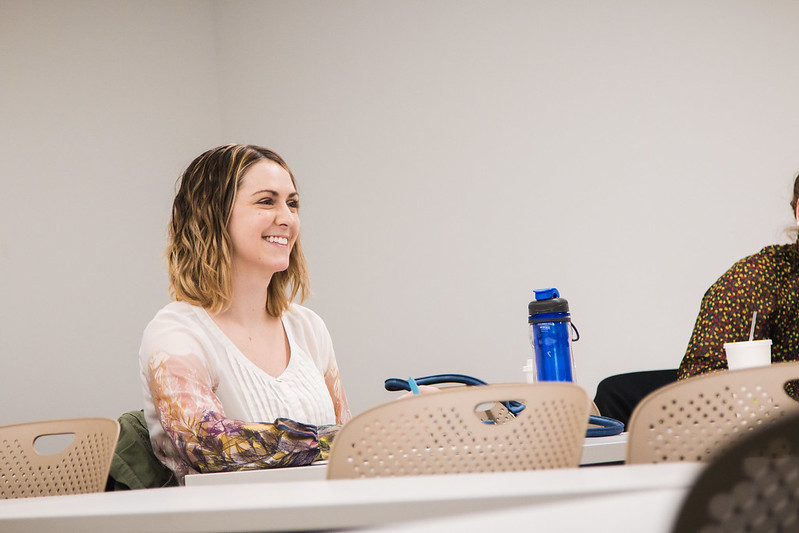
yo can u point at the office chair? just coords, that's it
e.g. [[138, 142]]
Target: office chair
[[692, 419], [81, 467], [753, 485], [446, 433]]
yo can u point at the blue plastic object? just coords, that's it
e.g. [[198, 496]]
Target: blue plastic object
[[606, 426], [397, 384], [550, 335], [546, 294]]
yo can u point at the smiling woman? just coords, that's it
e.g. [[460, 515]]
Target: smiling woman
[[236, 375]]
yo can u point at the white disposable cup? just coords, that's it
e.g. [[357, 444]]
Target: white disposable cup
[[748, 354]]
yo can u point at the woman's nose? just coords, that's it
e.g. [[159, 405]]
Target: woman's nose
[[285, 216]]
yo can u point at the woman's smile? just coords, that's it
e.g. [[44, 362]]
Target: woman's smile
[[283, 241]]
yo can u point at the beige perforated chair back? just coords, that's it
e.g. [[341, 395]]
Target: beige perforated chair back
[[692, 419], [79, 468], [443, 433]]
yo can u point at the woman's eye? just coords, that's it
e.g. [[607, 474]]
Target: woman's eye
[[293, 204], [265, 201]]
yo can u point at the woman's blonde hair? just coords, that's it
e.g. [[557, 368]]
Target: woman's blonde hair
[[199, 249]]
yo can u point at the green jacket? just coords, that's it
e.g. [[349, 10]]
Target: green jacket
[[135, 466]]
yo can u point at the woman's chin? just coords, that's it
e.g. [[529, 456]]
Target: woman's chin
[[280, 267]]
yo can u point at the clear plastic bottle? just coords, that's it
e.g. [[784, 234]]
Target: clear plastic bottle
[[551, 336]]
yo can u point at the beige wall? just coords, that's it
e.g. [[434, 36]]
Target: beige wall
[[102, 103], [452, 157]]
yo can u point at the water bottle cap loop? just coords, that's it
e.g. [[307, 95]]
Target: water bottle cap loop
[[546, 294]]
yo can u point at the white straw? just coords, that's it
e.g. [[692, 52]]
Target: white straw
[[752, 330]]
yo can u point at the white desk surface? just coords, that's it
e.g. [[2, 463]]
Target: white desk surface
[[650, 511], [314, 505], [314, 472], [596, 451], [601, 450]]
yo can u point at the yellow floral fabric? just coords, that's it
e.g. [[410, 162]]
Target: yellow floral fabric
[[192, 416]]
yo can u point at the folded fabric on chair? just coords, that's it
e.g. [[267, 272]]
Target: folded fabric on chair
[[135, 466]]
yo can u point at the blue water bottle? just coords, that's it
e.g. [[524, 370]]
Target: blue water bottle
[[550, 336]]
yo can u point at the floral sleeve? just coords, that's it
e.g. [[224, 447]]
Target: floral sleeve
[[336, 389], [192, 416]]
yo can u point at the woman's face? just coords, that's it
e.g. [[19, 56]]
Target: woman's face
[[264, 222]]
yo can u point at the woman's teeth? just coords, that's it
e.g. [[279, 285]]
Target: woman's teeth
[[278, 240]]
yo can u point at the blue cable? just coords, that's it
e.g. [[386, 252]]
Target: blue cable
[[607, 426], [397, 384]]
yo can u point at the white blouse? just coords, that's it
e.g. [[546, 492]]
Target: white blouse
[[190, 364]]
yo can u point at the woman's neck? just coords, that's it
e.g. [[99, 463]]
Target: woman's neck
[[248, 302], [259, 336]]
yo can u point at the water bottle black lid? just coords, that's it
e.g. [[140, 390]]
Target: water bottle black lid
[[548, 301]]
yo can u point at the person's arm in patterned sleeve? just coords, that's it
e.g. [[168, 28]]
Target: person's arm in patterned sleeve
[[725, 315], [192, 416], [336, 389]]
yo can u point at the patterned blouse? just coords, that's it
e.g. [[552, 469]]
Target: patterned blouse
[[766, 282], [210, 409]]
